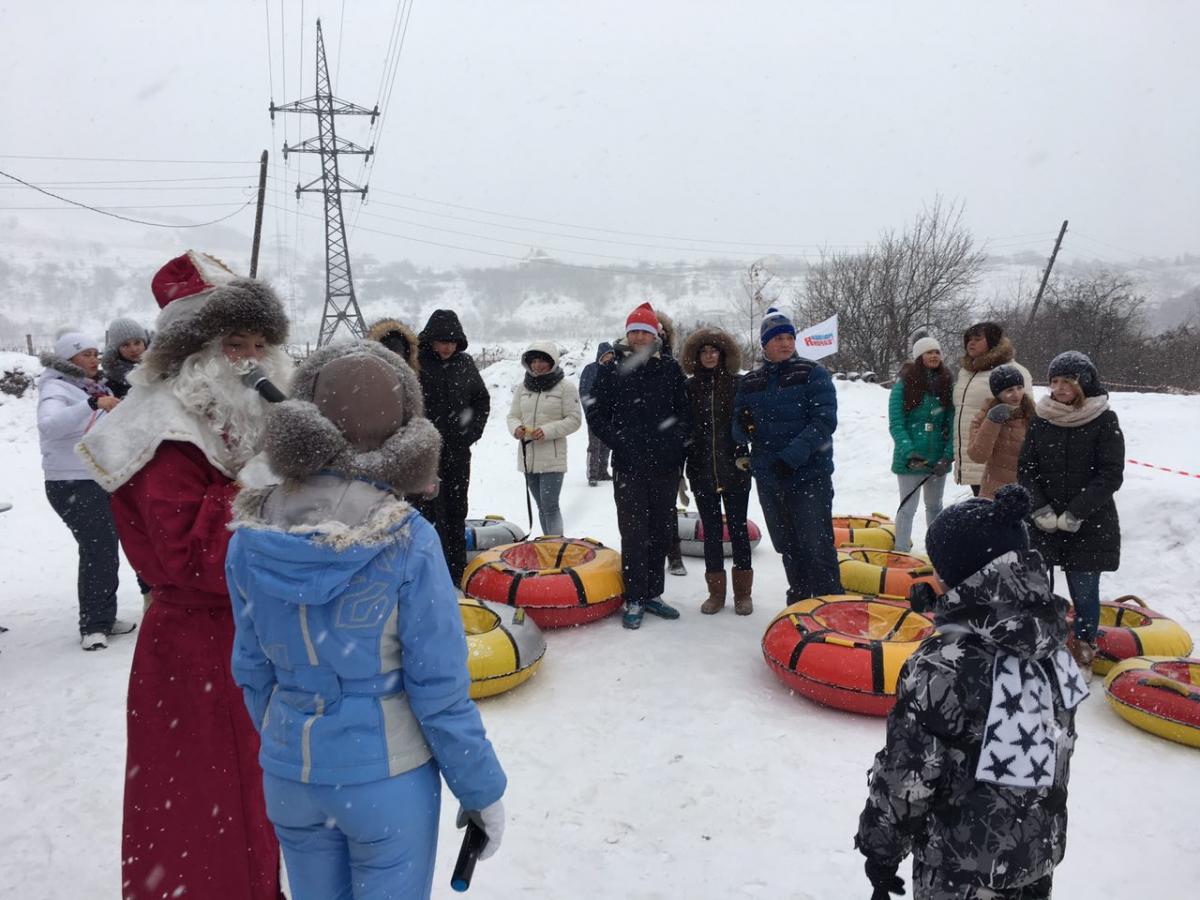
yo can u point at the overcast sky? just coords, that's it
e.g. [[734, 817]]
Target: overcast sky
[[746, 129]]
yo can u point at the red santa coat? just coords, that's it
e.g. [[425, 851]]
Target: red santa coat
[[194, 812]]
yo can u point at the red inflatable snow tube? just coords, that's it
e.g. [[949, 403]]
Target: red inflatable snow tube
[[559, 581], [844, 651]]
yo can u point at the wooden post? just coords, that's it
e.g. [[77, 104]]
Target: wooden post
[[29, 343], [262, 196], [1046, 275]]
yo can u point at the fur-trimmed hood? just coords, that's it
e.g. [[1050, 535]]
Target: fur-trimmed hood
[[300, 441], [385, 327], [731, 360], [59, 367], [244, 304], [1002, 353], [668, 333]]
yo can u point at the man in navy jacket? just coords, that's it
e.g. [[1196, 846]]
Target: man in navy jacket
[[786, 409], [597, 452]]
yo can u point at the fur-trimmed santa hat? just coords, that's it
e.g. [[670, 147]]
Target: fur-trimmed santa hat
[[200, 299]]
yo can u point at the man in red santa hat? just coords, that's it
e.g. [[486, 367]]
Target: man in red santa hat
[[194, 819]]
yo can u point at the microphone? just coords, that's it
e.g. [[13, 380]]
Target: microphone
[[257, 379], [474, 841]]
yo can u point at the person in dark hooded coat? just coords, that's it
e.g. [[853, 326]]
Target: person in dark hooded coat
[[1073, 462], [458, 404], [973, 777], [718, 468], [597, 451], [398, 338]]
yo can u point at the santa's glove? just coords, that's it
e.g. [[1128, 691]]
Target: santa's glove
[[884, 879], [491, 820], [1068, 523], [1045, 519], [1000, 413], [941, 467]]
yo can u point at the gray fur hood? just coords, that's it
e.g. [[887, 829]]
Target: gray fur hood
[[300, 442]]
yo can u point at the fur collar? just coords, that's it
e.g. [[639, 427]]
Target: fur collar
[[1068, 416], [63, 366], [997, 356], [722, 340]]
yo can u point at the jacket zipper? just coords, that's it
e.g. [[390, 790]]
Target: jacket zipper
[[537, 398], [712, 412], [959, 416]]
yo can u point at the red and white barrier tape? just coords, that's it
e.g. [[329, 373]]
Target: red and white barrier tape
[[1147, 465]]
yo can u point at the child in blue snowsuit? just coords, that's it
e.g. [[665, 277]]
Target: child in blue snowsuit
[[350, 649]]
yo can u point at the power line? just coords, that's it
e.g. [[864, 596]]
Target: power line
[[77, 208], [186, 162], [115, 215]]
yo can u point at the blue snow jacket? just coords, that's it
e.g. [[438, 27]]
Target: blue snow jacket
[[350, 648], [787, 411]]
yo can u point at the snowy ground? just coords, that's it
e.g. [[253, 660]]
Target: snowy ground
[[663, 763]]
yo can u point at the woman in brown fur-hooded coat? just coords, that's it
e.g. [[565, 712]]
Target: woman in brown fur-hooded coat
[[997, 445], [717, 467], [398, 338]]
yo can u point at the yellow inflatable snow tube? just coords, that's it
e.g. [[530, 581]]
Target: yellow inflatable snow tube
[[884, 573], [876, 531], [1159, 694], [504, 646]]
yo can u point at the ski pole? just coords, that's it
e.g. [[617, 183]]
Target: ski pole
[[468, 854], [525, 466]]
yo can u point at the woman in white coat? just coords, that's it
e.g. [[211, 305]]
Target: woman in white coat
[[545, 409], [984, 348], [70, 401]]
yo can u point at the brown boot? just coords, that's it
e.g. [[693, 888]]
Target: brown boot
[[716, 593], [1084, 654], [743, 581]]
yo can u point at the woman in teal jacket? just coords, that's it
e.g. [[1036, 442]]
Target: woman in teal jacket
[[921, 419], [350, 648]]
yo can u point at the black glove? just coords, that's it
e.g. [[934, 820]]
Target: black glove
[[916, 461], [941, 467], [782, 469], [884, 879], [1000, 413]]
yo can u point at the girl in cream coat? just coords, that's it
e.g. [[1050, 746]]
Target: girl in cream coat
[[545, 409]]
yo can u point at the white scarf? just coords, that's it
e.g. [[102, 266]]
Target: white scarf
[[1023, 738], [1069, 416]]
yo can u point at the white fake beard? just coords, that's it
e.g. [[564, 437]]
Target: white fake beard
[[209, 386]]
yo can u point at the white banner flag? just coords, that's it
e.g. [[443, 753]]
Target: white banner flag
[[820, 340]]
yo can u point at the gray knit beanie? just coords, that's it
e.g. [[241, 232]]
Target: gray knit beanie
[[122, 330]]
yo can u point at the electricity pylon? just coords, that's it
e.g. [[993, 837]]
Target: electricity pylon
[[341, 306]]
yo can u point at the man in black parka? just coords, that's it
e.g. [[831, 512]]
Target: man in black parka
[[641, 410], [458, 404]]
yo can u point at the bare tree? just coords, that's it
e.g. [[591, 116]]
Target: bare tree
[[760, 291], [920, 280]]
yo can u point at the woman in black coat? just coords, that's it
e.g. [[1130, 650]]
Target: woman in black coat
[[1072, 463], [717, 468]]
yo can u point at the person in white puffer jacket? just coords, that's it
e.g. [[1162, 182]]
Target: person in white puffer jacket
[[545, 409], [70, 402]]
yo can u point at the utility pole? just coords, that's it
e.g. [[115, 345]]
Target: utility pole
[[262, 196], [341, 305], [1046, 275]]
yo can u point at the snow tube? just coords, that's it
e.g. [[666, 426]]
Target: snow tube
[[844, 651], [1128, 629], [558, 581], [875, 531], [1159, 694], [489, 532], [884, 573], [691, 535], [504, 646]]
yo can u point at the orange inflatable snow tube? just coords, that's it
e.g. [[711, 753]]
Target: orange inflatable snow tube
[[844, 651], [889, 574], [876, 531], [1159, 694], [1128, 628], [558, 581]]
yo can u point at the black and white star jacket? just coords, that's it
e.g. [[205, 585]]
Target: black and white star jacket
[[973, 778]]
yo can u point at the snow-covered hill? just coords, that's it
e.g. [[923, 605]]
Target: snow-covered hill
[[664, 763]]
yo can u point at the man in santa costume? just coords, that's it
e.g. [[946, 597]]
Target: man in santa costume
[[194, 818]]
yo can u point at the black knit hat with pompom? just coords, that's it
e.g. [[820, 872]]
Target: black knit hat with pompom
[[969, 535]]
